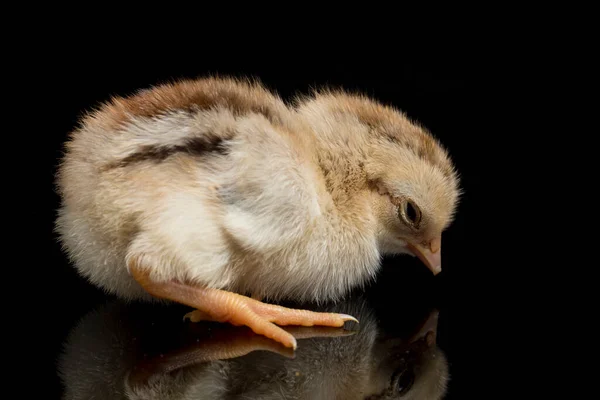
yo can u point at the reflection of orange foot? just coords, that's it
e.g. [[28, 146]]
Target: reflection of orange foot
[[221, 343], [222, 306]]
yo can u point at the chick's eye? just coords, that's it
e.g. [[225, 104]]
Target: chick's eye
[[411, 213], [403, 382]]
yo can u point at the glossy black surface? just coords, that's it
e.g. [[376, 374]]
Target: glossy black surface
[[113, 339], [141, 351]]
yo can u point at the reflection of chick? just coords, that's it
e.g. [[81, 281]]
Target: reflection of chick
[[202, 191], [107, 350]]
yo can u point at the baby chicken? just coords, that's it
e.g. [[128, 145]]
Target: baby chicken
[[204, 191]]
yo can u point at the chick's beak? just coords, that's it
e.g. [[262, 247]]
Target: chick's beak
[[430, 255]]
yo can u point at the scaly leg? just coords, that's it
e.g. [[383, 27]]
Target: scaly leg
[[223, 306]]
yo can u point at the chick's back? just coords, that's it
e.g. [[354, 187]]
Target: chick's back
[[189, 176]]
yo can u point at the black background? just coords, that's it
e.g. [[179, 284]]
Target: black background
[[454, 94]]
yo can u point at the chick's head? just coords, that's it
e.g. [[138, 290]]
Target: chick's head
[[410, 180], [415, 190]]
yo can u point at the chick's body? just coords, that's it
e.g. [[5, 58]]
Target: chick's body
[[218, 183]]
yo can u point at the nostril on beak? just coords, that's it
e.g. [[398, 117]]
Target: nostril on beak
[[435, 245]]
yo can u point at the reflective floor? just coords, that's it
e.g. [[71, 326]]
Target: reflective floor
[[141, 352], [144, 351]]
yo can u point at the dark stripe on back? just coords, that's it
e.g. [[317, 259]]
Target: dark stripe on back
[[194, 147]]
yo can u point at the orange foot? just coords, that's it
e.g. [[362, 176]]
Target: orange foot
[[222, 306]]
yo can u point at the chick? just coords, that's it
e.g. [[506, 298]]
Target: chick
[[118, 352], [205, 192]]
